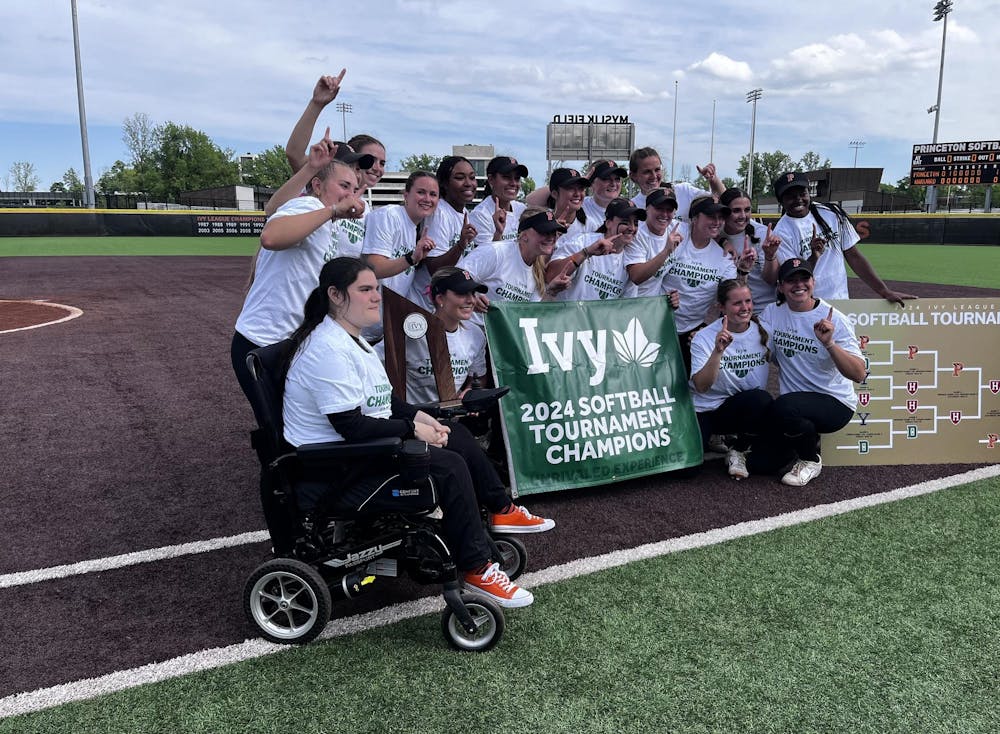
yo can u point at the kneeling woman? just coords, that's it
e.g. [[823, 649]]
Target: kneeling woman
[[819, 357], [729, 366], [337, 390]]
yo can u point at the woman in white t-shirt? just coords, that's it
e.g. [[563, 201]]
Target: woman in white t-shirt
[[496, 217], [453, 292], [295, 242], [514, 270], [336, 389], [448, 227], [605, 186], [658, 236], [823, 235], [696, 268], [729, 368], [818, 357], [741, 234], [567, 190], [394, 246], [595, 260]]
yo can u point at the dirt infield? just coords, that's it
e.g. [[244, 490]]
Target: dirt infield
[[17, 315], [125, 430]]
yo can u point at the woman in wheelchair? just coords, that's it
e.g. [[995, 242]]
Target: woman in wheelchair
[[336, 389]]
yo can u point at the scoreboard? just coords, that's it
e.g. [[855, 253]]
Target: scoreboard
[[960, 164]]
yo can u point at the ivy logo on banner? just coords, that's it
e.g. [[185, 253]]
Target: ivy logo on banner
[[633, 347]]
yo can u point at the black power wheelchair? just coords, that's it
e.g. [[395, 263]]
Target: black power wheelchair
[[323, 554]]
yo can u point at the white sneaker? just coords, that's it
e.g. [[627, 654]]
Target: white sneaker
[[716, 445], [496, 585], [802, 472], [737, 463]]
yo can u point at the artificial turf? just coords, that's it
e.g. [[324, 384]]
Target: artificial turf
[[880, 620]]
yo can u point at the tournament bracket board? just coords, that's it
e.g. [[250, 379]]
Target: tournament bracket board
[[932, 394]]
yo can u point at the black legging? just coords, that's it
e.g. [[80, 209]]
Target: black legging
[[800, 417], [238, 352], [743, 414]]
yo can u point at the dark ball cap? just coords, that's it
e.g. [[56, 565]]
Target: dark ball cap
[[661, 199], [623, 209], [794, 265], [505, 164], [543, 223], [461, 282], [789, 180], [567, 177], [607, 169], [708, 205]]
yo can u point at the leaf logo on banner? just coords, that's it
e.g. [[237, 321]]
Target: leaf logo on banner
[[634, 347]]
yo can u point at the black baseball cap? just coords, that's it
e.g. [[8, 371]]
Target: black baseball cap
[[708, 205], [543, 223], [623, 209], [567, 177], [346, 154], [506, 164], [607, 169], [661, 199], [460, 282], [794, 265], [789, 180]]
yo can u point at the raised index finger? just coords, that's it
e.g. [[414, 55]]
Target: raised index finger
[[340, 76], [829, 316], [465, 221], [725, 323]]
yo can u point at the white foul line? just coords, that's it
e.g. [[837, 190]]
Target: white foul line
[[22, 703]]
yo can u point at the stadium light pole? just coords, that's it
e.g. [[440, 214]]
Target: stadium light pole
[[344, 108], [673, 145], [856, 144], [941, 11], [711, 145], [752, 96], [88, 179]]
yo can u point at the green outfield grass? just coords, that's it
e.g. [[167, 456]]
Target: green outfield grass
[[60, 246], [973, 265], [950, 264], [880, 620]]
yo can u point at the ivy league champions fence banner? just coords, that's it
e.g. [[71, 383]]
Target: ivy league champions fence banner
[[598, 392]]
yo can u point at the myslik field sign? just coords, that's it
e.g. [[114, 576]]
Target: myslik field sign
[[598, 392]]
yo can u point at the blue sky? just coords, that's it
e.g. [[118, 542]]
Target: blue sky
[[424, 75]]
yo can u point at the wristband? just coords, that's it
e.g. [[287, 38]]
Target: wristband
[[770, 259], [409, 259]]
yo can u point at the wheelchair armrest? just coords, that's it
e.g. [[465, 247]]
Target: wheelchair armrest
[[341, 450], [479, 400]]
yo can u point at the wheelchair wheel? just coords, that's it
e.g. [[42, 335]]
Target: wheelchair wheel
[[513, 555], [489, 621], [288, 601]]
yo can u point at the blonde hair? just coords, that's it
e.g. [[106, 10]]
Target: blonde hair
[[541, 262], [325, 172]]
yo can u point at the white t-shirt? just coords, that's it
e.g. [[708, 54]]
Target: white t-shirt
[[284, 279], [804, 363], [763, 293], [743, 365], [444, 227], [332, 373], [598, 278], [482, 219], [349, 235], [467, 347], [595, 214], [643, 248], [685, 194], [696, 273], [389, 231], [830, 272], [501, 268]]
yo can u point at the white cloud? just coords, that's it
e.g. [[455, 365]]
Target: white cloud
[[723, 67]]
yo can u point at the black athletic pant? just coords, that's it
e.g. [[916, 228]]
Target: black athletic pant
[[800, 417], [743, 414]]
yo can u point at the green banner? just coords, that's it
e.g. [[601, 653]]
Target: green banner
[[598, 392]]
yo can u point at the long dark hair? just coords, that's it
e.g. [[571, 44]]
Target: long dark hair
[[722, 294], [338, 273], [728, 197], [446, 166]]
